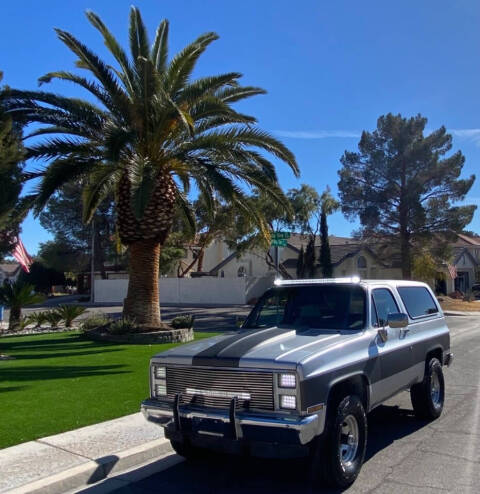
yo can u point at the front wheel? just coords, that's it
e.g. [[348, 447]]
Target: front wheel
[[339, 455], [186, 450], [429, 395]]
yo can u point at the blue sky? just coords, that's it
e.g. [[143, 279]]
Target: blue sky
[[330, 68]]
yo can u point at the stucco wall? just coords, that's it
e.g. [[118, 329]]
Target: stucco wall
[[208, 291]]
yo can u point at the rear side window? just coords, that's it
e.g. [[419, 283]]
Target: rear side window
[[417, 300]]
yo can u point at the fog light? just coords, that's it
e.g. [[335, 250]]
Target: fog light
[[160, 390], [287, 381], [288, 401], [160, 372]]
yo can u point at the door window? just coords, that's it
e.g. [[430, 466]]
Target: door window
[[384, 304]]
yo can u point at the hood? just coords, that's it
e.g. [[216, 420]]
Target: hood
[[277, 347]]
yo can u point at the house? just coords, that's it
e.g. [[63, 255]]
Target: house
[[349, 257], [464, 269], [9, 271]]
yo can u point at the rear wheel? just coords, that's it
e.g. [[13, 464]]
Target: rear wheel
[[339, 454], [429, 395]]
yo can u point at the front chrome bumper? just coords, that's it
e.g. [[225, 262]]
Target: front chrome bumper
[[244, 425]]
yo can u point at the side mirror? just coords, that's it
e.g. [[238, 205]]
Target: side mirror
[[397, 320], [239, 320]]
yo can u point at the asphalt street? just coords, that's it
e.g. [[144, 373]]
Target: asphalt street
[[403, 454]]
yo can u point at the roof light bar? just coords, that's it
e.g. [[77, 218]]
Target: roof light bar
[[351, 279]]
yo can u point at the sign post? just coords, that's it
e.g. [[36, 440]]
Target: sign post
[[279, 239]]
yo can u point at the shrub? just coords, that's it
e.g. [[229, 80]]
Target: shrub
[[122, 326], [53, 318], [38, 318], [95, 320], [180, 322], [69, 312], [469, 297]]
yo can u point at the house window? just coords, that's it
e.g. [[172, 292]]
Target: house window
[[241, 272], [362, 267], [361, 263], [222, 274]]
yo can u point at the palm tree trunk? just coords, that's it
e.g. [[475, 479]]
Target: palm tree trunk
[[14, 319], [142, 303]]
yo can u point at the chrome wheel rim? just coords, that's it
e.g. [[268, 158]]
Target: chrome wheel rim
[[435, 389], [349, 439]]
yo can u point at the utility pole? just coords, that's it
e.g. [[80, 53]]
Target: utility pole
[[92, 266]]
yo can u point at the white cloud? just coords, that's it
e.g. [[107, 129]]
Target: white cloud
[[317, 134], [472, 135]]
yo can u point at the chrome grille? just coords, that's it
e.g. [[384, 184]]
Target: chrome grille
[[257, 385]]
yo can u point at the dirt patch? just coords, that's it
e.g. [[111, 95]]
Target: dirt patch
[[448, 303]]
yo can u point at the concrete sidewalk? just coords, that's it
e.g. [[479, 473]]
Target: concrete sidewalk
[[77, 459]]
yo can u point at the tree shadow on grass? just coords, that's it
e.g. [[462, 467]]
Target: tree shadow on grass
[[66, 343], [12, 388], [45, 355], [42, 373]]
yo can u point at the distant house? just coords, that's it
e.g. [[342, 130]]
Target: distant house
[[9, 271], [349, 256]]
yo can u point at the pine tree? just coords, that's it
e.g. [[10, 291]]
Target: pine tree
[[11, 155], [328, 205], [309, 262], [300, 264], [402, 185], [325, 259]]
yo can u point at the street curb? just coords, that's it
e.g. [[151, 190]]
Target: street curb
[[87, 474]]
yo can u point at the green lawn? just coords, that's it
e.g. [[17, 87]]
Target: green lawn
[[59, 382]]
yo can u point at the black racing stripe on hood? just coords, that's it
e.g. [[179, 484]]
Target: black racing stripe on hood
[[228, 352]]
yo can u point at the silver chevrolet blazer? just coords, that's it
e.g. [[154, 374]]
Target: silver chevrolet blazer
[[309, 362]]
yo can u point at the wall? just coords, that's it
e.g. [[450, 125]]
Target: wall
[[201, 291]]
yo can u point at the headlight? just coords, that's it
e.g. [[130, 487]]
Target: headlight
[[160, 373], [288, 401], [160, 389], [287, 381], [160, 381]]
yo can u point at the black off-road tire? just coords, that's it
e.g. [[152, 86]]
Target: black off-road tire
[[328, 463], [428, 396]]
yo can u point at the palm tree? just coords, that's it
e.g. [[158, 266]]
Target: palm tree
[[16, 295], [152, 131]]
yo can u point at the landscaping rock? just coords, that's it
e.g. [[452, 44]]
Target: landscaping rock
[[170, 335]]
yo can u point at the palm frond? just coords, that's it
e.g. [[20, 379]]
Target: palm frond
[[127, 76], [139, 45], [182, 65], [101, 183], [57, 174], [88, 60], [159, 53]]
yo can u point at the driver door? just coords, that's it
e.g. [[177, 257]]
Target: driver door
[[395, 354]]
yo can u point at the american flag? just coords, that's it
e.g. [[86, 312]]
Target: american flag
[[22, 256], [452, 270]]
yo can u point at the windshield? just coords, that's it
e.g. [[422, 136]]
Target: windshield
[[318, 306]]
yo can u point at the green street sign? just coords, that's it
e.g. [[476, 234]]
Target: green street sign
[[280, 235], [279, 242]]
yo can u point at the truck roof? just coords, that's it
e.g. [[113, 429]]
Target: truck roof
[[354, 280]]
